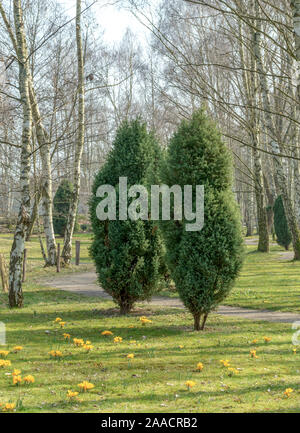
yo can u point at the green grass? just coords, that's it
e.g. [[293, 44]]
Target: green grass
[[35, 263], [265, 282], [154, 381]]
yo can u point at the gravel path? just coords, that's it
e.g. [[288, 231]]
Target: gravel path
[[86, 284]]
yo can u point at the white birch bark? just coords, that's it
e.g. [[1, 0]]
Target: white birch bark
[[17, 250], [295, 5], [46, 180], [67, 249], [279, 174], [43, 142], [250, 89]]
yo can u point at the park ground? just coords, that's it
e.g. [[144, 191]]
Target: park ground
[[166, 351]]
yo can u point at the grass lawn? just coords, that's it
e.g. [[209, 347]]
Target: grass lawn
[[35, 263], [266, 282], [154, 380]]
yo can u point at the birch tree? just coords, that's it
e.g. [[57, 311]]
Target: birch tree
[[279, 172], [44, 148], [17, 250], [251, 95], [295, 5], [67, 249]]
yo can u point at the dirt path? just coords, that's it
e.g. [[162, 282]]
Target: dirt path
[[86, 284]]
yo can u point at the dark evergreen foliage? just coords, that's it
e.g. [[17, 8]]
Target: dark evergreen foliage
[[203, 264], [128, 254], [61, 205], [283, 235]]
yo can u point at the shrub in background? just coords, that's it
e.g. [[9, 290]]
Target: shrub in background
[[283, 235], [61, 205]]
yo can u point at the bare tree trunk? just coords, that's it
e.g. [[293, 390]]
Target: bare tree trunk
[[279, 173], [3, 273], [33, 215], [41, 240], [262, 218], [295, 5], [197, 317], [250, 87], [249, 213], [67, 249], [46, 183], [203, 321], [271, 196], [17, 250], [43, 141]]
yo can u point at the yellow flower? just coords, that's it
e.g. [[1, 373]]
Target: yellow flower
[[88, 347], [72, 394], [62, 324], [18, 348], [4, 363], [86, 386], [180, 346], [294, 350], [66, 336], [78, 342], [107, 333], [232, 371], [4, 353], [29, 379], [288, 392], [16, 372], [56, 353], [58, 319], [190, 384], [118, 339], [253, 354], [254, 341], [267, 339], [225, 362], [17, 380], [144, 320], [199, 366], [130, 356], [8, 407]]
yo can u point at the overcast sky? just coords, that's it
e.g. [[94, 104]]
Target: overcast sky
[[112, 19]]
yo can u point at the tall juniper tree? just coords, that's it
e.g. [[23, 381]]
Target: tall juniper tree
[[128, 254], [203, 263], [61, 207], [283, 235]]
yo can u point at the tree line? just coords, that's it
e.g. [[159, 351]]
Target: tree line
[[64, 92]]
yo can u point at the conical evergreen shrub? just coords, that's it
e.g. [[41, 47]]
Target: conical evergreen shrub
[[61, 205], [283, 235], [128, 254], [205, 263]]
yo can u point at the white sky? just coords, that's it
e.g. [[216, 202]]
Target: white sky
[[112, 19]]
